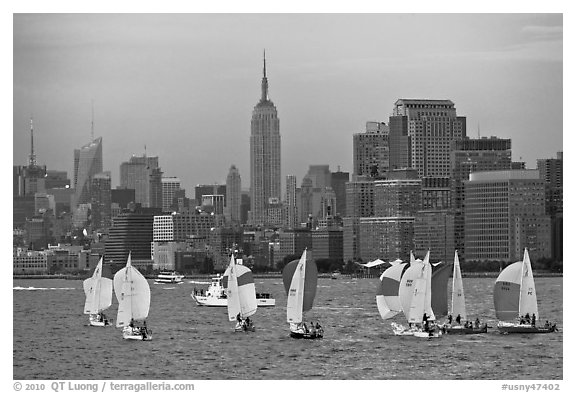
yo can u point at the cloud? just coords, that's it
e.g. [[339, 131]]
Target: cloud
[[544, 32]]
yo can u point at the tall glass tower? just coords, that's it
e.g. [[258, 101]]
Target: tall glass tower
[[87, 163], [264, 157]]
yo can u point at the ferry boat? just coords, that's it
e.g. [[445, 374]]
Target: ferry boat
[[169, 278], [215, 295]]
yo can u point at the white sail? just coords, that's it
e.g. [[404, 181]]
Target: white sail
[[428, 297], [98, 292], [233, 298], [458, 300], [295, 301], [417, 306], [407, 284], [133, 294], [528, 302]]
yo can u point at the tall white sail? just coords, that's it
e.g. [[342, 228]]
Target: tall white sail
[[407, 285], [458, 300], [133, 294], [233, 298], [428, 297], [98, 292], [295, 301], [241, 291], [417, 305], [528, 302]]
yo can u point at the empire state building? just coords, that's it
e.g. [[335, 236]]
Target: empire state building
[[264, 157]]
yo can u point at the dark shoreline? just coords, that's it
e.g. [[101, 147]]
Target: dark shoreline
[[268, 275]]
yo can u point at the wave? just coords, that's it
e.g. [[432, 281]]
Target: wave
[[40, 289]]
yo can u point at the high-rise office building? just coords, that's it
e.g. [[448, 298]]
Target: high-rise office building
[[169, 187], [432, 126], [338, 181], [320, 175], [101, 200], [371, 151], [290, 205], [552, 173], [144, 176], [233, 194], [131, 232], [87, 163], [264, 156], [474, 155], [505, 213]]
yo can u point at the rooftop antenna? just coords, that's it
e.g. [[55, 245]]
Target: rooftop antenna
[[264, 81], [32, 159], [144, 150], [92, 125], [478, 130]]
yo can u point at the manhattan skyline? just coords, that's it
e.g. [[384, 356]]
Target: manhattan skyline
[[185, 85]]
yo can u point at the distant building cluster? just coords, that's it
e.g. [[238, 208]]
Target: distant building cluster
[[418, 183]]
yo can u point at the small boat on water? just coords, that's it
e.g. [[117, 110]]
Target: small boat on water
[[133, 294], [463, 326], [515, 300], [300, 278], [169, 277], [215, 295], [98, 292], [241, 296], [415, 295]]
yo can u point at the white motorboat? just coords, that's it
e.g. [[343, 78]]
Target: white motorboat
[[169, 278], [215, 295]]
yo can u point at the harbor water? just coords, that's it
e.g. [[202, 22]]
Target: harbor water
[[52, 339]]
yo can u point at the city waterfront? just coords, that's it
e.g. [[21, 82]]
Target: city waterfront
[[52, 339]]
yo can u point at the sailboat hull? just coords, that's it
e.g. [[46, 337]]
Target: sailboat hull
[[94, 321], [309, 336], [507, 328], [463, 330], [134, 334]]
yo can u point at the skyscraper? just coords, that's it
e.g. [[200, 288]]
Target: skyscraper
[[87, 163], [233, 194], [169, 187], [264, 156], [101, 200], [371, 151], [291, 218], [505, 213], [432, 126], [143, 175]]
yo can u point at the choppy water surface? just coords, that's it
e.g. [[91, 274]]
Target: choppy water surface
[[52, 339]]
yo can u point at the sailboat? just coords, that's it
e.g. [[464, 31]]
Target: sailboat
[[98, 292], [300, 279], [133, 294], [459, 306], [387, 298], [241, 295], [415, 293], [515, 300]]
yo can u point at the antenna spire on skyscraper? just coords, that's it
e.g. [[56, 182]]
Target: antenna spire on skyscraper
[[264, 81], [264, 63], [32, 159]]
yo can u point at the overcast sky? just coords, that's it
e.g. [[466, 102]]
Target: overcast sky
[[185, 85]]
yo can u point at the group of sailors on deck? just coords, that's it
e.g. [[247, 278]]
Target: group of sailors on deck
[[141, 330], [313, 329], [244, 323], [527, 320]]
